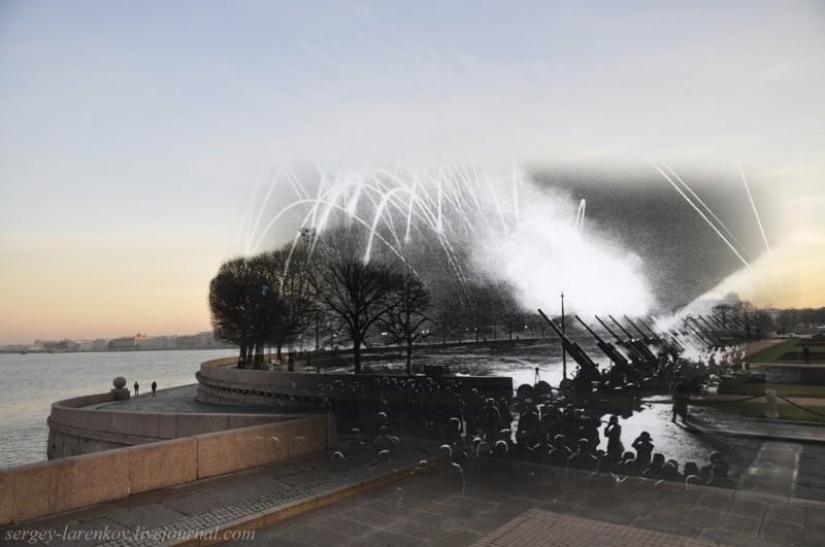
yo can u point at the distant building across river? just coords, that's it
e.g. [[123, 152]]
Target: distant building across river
[[138, 342]]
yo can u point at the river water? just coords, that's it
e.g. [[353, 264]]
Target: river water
[[32, 382]]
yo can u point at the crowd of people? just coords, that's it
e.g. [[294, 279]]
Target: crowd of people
[[571, 438], [512, 428]]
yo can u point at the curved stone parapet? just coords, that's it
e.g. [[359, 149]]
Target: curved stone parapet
[[77, 427], [221, 382], [32, 491]]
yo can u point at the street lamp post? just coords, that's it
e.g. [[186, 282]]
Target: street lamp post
[[563, 350]]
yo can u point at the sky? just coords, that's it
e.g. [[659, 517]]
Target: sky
[[132, 133]]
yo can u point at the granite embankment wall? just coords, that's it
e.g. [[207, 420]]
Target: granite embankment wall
[[75, 428], [221, 383], [31, 491]]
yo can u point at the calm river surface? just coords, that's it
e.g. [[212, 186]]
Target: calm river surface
[[32, 382]]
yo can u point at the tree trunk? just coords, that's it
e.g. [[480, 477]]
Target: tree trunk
[[242, 357], [259, 356], [356, 354], [409, 357]]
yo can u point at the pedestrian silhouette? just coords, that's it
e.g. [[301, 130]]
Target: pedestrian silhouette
[[806, 351], [644, 447], [154, 388], [681, 397], [613, 432], [137, 387]]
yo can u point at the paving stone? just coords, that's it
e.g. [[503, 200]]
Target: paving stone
[[89, 533], [464, 502], [702, 518], [570, 498], [538, 528], [782, 533], [815, 516], [411, 527], [369, 517], [748, 508], [454, 538], [349, 527], [725, 537], [665, 512], [318, 535], [281, 540], [385, 537], [668, 526], [605, 516], [742, 525], [684, 499], [814, 536], [713, 502], [786, 513]]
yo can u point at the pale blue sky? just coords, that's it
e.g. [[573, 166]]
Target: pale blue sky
[[131, 133]]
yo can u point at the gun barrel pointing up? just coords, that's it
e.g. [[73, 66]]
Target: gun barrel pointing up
[[621, 328], [607, 328], [635, 326], [606, 347], [575, 351]]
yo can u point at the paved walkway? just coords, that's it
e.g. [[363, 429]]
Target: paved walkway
[[539, 528], [327, 501], [804, 401], [761, 428], [157, 517], [180, 399], [506, 503]]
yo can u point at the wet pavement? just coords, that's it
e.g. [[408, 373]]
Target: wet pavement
[[684, 443]]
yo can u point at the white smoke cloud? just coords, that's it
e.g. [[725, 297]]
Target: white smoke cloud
[[543, 254], [527, 237]]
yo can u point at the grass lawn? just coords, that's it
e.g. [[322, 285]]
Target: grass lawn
[[757, 410], [771, 354], [787, 390]]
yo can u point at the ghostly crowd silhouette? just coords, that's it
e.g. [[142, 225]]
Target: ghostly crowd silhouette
[[512, 428]]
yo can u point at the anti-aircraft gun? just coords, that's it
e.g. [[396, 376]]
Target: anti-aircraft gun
[[640, 346], [693, 326], [588, 370], [713, 333], [651, 337], [646, 337], [637, 358], [668, 339], [607, 348], [717, 322]]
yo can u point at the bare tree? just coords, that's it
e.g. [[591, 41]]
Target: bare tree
[[358, 294], [404, 321], [287, 272]]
